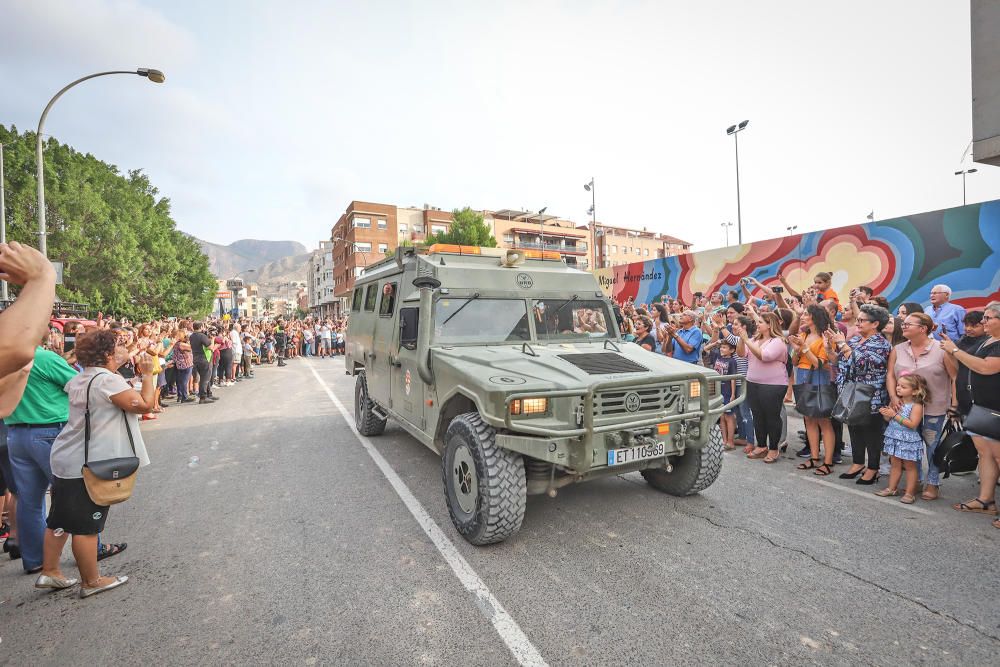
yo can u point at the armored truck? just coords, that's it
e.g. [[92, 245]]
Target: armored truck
[[509, 364]]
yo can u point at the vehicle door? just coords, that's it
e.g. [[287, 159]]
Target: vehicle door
[[380, 361], [406, 387]]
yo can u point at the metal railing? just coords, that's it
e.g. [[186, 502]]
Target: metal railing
[[529, 245]]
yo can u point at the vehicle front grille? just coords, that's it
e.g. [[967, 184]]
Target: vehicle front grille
[[654, 398], [603, 363]]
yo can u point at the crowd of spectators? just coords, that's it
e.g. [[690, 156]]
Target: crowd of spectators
[[80, 390], [924, 367]]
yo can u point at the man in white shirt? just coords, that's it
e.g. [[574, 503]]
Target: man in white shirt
[[236, 338], [324, 333]]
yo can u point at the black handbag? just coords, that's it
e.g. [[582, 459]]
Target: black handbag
[[955, 452], [109, 481], [983, 421], [854, 401], [814, 399]]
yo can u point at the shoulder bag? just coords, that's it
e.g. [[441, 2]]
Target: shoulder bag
[[955, 452], [814, 399], [981, 420], [854, 401], [110, 481]]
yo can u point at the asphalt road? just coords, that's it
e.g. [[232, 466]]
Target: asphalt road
[[265, 532]]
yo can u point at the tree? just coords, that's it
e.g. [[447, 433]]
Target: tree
[[405, 243], [122, 252], [467, 228]]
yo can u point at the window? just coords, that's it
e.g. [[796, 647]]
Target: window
[[362, 222], [383, 247], [562, 319], [614, 250], [403, 227], [356, 301], [363, 247], [508, 238], [480, 320], [638, 251], [370, 296], [382, 224], [388, 300], [409, 324], [647, 252], [439, 229], [419, 229]]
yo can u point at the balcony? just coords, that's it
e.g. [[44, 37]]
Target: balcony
[[578, 249]]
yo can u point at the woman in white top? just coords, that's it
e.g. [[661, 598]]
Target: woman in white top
[[114, 431]]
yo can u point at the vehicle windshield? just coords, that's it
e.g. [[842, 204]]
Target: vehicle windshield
[[480, 320], [570, 319]]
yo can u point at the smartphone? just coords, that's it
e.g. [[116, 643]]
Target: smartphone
[[778, 290]]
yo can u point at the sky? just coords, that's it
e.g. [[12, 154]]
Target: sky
[[274, 116]]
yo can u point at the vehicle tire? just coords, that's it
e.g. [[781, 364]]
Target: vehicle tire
[[484, 485], [693, 472], [365, 419]]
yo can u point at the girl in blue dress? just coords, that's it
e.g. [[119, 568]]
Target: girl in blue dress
[[903, 442]]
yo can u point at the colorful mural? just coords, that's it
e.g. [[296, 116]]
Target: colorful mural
[[899, 258]]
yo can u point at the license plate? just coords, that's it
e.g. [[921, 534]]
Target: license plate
[[617, 457]]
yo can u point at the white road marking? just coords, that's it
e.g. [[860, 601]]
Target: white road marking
[[508, 629], [867, 495]]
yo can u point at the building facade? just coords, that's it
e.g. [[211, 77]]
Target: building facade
[[320, 290], [617, 246]]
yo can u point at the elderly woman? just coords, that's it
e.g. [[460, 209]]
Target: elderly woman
[[984, 368], [114, 433], [923, 355], [865, 358]]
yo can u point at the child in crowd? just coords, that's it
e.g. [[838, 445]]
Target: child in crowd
[[726, 365], [903, 442]]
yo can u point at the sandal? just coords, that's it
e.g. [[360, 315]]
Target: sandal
[[748, 449], [907, 499], [809, 465], [984, 507], [759, 455], [886, 493], [930, 492], [824, 470], [109, 550]]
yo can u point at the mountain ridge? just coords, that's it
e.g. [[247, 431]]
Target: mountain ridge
[[228, 261]]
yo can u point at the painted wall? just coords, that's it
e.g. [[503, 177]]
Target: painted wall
[[899, 258]]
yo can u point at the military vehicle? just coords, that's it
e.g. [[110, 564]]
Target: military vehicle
[[509, 365]]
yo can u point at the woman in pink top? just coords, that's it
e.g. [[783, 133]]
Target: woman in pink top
[[767, 380], [922, 355]]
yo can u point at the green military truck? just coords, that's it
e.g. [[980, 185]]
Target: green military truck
[[510, 366]]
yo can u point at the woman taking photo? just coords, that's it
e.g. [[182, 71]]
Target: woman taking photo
[[923, 355], [865, 358], [812, 368], [114, 431], [766, 352], [984, 369]]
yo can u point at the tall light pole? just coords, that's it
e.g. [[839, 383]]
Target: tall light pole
[[735, 130], [963, 173], [541, 225], [726, 226], [589, 187], [791, 229], [3, 224], [154, 75]]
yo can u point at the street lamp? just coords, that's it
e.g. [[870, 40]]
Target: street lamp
[[726, 226], [735, 130], [963, 172], [541, 225], [154, 75], [791, 229], [589, 187]]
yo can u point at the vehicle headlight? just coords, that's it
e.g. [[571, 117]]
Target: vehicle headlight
[[694, 391], [529, 406]]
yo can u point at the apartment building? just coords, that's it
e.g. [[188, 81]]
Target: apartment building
[[533, 231], [620, 245], [320, 286]]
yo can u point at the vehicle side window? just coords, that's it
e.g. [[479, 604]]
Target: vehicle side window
[[388, 300], [409, 323], [356, 301], [370, 297]]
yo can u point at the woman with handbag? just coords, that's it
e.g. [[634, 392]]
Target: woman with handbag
[[102, 428], [983, 420], [864, 359], [813, 378], [922, 355]]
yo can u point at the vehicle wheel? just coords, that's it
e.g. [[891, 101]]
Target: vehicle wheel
[[367, 421], [693, 472], [484, 485]]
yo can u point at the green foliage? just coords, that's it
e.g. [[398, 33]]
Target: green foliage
[[467, 228], [405, 243], [122, 252]]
